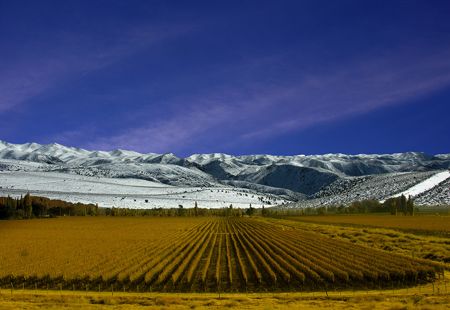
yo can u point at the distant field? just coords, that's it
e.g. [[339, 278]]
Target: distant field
[[393, 240], [431, 223], [192, 255]]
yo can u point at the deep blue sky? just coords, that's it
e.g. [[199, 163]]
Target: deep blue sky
[[240, 77]]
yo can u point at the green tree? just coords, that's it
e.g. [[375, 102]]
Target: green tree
[[195, 209], [28, 206], [410, 206], [391, 205], [403, 204], [250, 211], [180, 211]]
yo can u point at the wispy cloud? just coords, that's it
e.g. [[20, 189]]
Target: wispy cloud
[[166, 135], [32, 74], [260, 110], [354, 89]]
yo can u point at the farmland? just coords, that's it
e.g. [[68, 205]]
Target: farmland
[[432, 245], [422, 297], [204, 254], [432, 224]]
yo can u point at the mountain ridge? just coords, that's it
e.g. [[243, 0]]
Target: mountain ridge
[[122, 152], [305, 175]]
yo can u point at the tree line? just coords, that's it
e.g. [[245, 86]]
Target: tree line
[[394, 206], [180, 211], [29, 206]]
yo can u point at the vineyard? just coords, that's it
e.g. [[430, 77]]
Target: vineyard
[[193, 254]]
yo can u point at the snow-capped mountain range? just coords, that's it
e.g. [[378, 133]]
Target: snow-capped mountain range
[[297, 177]]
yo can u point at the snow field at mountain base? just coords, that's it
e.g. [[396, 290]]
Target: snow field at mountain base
[[127, 193]]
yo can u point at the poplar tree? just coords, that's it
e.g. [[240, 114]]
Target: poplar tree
[[410, 206], [403, 206], [28, 206]]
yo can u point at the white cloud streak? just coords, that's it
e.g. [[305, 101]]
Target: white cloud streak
[[33, 74], [260, 111]]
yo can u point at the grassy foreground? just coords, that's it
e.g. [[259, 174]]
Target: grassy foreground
[[422, 297]]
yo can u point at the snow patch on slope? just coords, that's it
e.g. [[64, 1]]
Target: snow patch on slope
[[425, 185]]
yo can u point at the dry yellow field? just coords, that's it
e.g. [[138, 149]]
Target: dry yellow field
[[422, 297], [438, 224], [79, 247], [426, 246], [210, 254]]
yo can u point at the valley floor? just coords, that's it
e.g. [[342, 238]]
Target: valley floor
[[98, 232]]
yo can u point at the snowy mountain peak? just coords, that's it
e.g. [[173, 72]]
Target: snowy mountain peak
[[305, 174], [124, 153], [208, 157]]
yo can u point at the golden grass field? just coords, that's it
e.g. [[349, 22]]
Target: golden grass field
[[408, 243], [193, 255], [420, 297], [122, 262], [437, 224]]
